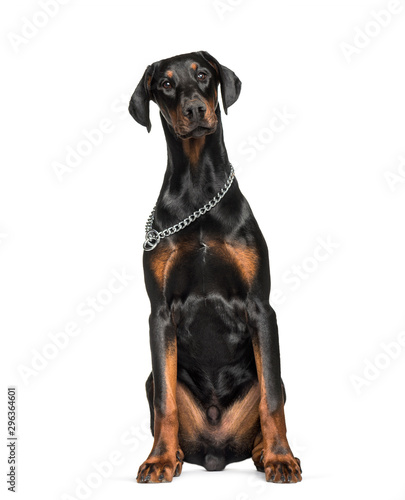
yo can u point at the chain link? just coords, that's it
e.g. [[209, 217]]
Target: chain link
[[153, 237]]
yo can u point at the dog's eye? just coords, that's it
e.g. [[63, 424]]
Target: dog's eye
[[166, 84], [201, 76]]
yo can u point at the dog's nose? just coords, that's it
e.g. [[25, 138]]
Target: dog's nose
[[194, 109]]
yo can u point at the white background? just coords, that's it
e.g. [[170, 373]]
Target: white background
[[324, 176]]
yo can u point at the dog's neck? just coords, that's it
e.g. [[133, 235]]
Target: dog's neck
[[197, 169]]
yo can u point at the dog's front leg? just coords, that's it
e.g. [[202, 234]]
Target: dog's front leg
[[271, 452], [165, 459]]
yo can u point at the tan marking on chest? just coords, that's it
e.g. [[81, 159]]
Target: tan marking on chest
[[167, 255], [245, 259], [161, 263], [242, 257]]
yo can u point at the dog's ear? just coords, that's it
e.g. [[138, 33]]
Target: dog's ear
[[230, 83], [139, 103]]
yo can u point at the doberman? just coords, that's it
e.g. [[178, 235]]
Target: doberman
[[215, 392]]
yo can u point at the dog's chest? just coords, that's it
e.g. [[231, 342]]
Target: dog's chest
[[203, 265]]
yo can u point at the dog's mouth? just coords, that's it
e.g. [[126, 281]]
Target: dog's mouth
[[198, 131]]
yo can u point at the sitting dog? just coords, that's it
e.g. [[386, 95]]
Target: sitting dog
[[215, 392]]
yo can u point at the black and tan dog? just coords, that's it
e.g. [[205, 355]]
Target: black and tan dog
[[215, 392]]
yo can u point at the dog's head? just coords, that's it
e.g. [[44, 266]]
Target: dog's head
[[185, 88]]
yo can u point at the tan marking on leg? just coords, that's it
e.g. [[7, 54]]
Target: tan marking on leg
[[165, 459], [257, 452], [273, 424], [241, 420], [192, 419], [275, 458], [239, 423], [167, 425]]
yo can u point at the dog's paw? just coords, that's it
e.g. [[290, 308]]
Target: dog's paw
[[282, 469], [160, 468]]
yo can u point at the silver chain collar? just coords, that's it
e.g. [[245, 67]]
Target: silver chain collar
[[153, 237]]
